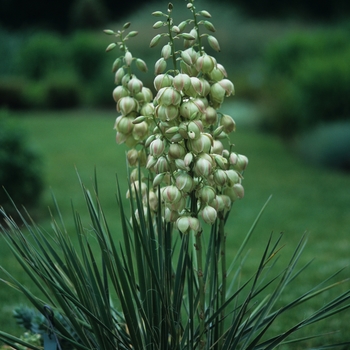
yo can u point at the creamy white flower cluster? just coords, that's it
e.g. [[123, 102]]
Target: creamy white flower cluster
[[181, 132]]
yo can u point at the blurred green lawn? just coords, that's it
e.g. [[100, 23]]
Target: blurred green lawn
[[304, 198]]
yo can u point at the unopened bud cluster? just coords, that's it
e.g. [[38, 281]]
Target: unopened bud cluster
[[179, 135]]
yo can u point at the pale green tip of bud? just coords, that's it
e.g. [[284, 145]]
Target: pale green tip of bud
[[109, 31], [110, 47]]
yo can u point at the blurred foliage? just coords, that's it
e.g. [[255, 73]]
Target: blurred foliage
[[55, 72], [21, 172], [311, 9], [308, 76], [12, 93], [42, 53], [65, 14], [327, 145], [87, 55]]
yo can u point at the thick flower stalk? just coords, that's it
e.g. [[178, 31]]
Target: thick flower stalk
[[180, 136]]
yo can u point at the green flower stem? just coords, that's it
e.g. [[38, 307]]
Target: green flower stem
[[223, 277], [172, 44], [196, 27], [201, 313], [200, 276]]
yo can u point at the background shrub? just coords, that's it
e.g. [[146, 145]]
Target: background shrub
[[62, 90], [327, 145], [307, 82], [87, 55], [21, 171], [88, 14], [41, 54], [12, 93]]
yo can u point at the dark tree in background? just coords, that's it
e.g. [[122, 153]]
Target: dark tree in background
[[63, 15], [306, 9]]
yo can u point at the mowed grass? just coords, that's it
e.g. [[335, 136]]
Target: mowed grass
[[304, 199]]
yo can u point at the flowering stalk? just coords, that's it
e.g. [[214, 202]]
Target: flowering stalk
[[179, 137]]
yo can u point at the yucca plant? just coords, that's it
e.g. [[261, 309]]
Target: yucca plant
[[163, 281]]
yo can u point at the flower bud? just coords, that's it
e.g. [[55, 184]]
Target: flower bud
[[175, 29], [119, 92], [188, 69], [147, 109], [171, 194], [140, 131], [206, 194], [202, 144], [192, 108], [155, 40], [168, 96], [137, 187], [166, 51], [181, 82], [186, 58], [176, 151], [160, 66], [167, 113], [230, 192], [194, 224], [141, 65], [205, 14], [176, 138], [220, 177], [183, 224], [220, 161], [194, 130], [216, 74], [201, 86], [158, 24], [227, 85], [157, 147], [158, 179], [151, 162], [116, 64], [179, 205], [184, 182], [127, 105], [242, 162], [217, 93], [180, 165], [205, 63], [132, 157], [172, 130], [228, 124], [152, 200], [110, 47], [128, 58], [161, 166], [188, 159], [209, 214], [232, 177], [217, 147], [203, 167], [210, 116], [119, 74], [124, 125], [213, 42], [162, 80], [239, 190], [170, 215], [135, 85]]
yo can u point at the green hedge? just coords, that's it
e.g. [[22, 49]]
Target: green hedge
[[307, 82], [54, 72], [21, 168]]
